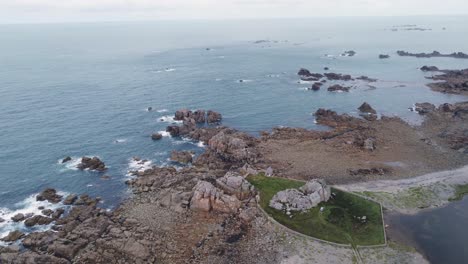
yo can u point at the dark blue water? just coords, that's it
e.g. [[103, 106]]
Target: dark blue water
[[82, 89]]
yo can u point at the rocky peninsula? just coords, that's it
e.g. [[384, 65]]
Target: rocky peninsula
[[208, 212]]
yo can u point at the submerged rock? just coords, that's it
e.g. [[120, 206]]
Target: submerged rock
[[156, 136]]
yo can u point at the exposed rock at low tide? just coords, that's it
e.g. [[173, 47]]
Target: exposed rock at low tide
[[38, 220], [457, 55], [367, 108], [424, 108], [429, 68], [338, 88], [93, 163], [384, 56], [213, 117], [452, 82], [66, 159], [182, 156], [13, 236], [50, 195]]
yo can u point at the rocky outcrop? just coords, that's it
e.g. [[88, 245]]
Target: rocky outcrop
[[367, 108], [13, 236], [234, 184], [338, 76], [457, 55], [213, 117], [451, 81], [384, 56], [332, 119], [302, 199], [70, 199], [424, 108], [66, 159], [93, 163], [38, 220], [206, 198], [338, 88], [316, 86], [182, 114], [18, 217], [199, 116], [304, 72], [182, 156], [233, 146], [190, 120], [50, 195], [429, 68]]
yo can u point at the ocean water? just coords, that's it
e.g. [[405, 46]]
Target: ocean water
[[83, 89]]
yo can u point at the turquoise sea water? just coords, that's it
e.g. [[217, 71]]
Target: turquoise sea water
[[83, 89]]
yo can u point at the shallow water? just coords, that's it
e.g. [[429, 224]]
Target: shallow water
[[440, 234], [83, 89]]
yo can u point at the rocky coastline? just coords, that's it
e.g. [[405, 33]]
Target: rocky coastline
[[207, 212]]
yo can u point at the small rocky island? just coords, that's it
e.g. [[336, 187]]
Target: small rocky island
[[457, 55]]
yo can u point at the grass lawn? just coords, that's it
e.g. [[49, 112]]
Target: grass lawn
[[337, 222]]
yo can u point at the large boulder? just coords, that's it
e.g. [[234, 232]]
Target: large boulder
[[93, 163], [181, 156], [234, 184], [199, 116], [302, 199], [206, 197], [182, 114], [367, 108], [18, 217], [50, 195]]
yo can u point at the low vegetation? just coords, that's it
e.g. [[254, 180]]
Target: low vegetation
[[460, 192], [346, 218]]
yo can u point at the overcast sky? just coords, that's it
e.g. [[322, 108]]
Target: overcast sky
[[37, 11]]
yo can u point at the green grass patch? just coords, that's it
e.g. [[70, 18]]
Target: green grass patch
[[337, 223], [460, 192]]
